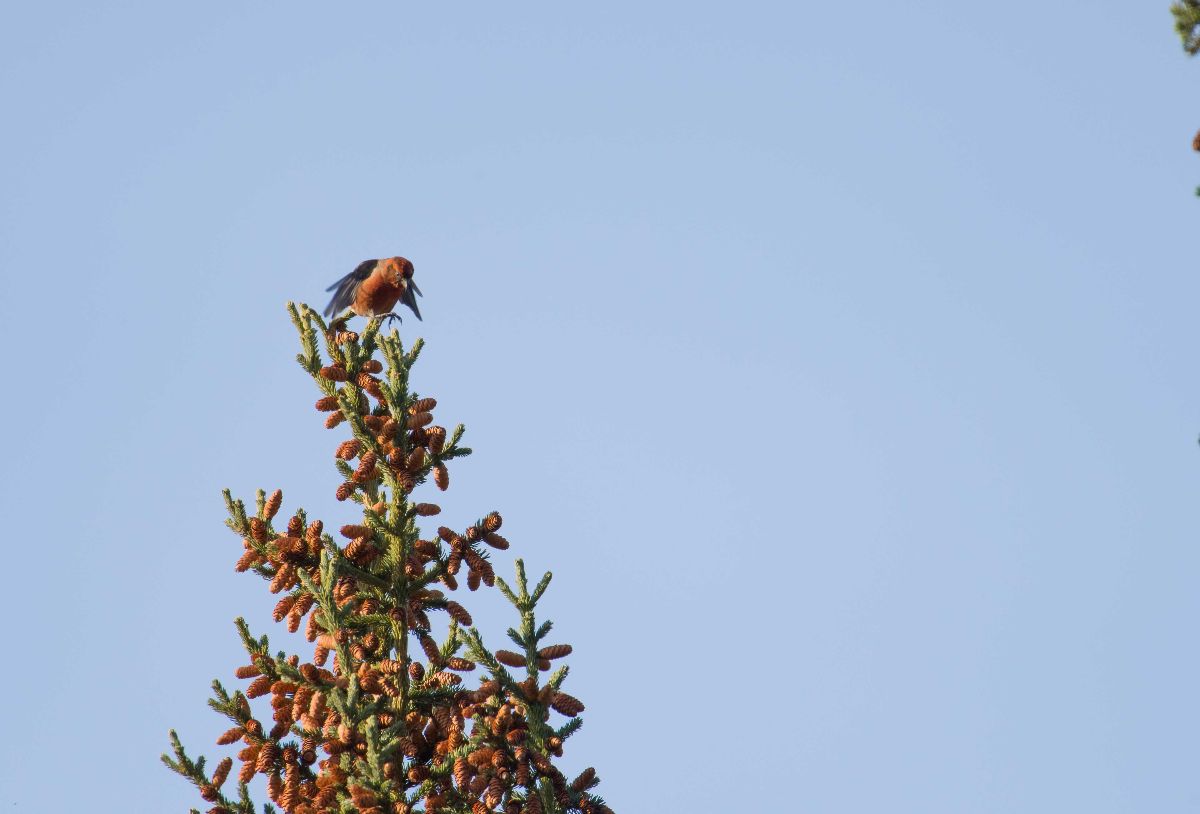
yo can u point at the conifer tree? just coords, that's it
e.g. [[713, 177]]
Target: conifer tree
[[380, 720], [1187, 24]]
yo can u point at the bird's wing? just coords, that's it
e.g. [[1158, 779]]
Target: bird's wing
[[344, 295]]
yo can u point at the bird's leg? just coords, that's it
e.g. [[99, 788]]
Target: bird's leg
[[388, 317]]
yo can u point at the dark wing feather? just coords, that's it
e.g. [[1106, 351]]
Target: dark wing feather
[[347, 286]]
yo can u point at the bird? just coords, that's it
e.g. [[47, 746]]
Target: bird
[[374, 288]]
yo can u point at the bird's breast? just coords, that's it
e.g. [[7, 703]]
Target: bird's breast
[[375, 296]]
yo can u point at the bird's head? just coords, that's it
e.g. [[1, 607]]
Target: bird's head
[[396, 270], [399, 272]]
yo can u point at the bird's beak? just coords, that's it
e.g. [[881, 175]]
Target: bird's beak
[[408, 299]]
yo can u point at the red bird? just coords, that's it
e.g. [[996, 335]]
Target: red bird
[[374, 288]]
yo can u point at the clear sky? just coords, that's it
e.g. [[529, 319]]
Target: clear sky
[[838, 359]]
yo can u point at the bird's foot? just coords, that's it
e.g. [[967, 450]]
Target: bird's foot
[[386, 319]]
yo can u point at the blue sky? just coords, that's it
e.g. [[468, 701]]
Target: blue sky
[[838, 361]]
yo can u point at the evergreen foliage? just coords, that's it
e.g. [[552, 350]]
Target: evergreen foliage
[[378, 721], [1187, 24]]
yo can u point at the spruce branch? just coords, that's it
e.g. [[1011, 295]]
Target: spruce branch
[[1187, 24]]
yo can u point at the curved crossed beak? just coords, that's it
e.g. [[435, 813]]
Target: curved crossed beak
[[408, 299]]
